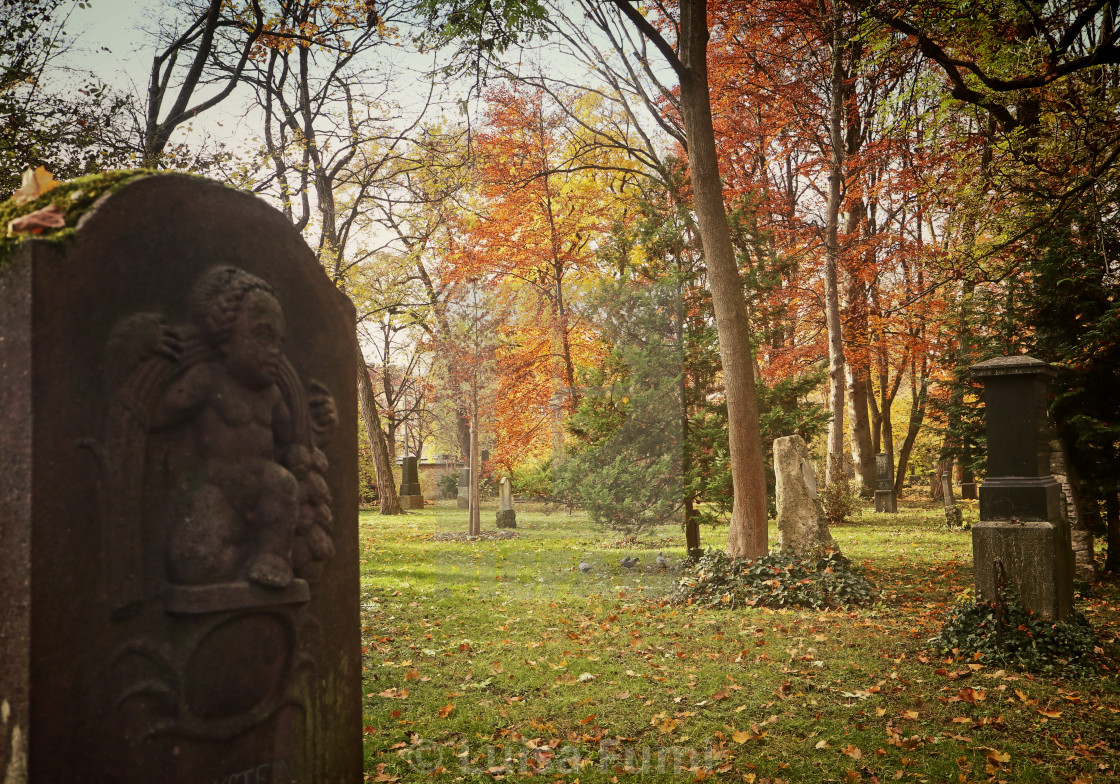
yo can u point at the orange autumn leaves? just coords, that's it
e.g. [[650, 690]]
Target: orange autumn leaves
[[531, 245]]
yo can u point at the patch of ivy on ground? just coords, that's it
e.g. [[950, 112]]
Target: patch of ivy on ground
[[1012, 636], [776, 580]]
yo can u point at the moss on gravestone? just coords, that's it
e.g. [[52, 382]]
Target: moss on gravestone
[[74, 197]]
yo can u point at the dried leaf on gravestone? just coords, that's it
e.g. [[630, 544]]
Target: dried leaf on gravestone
[[51, 217], [35, 183]]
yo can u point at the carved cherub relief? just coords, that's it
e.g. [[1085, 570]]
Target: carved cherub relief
[[247, 500]]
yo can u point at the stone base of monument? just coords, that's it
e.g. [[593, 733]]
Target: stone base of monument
[[507, 518], [1034, 557], [885, 501], [412, 501]]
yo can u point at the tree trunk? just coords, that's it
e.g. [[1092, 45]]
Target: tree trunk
[[1112, 515], [747, 535], [475, 513], [834, 470], [858, 377], [367, 403], [917, 416]]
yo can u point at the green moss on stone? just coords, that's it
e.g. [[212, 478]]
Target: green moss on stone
[[74, 197]]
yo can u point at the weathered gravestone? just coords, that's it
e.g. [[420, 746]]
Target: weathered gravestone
[[801, 523], [463, 500], [178, 548], [410, 495], [885, 500], [1022, 539], [507, 517]]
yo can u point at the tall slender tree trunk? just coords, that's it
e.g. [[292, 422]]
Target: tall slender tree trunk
[[834, 471], [367, 403], [475, 511], [918, 397], [747, 535]]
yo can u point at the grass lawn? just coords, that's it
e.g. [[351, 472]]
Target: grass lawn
[[498, 659]]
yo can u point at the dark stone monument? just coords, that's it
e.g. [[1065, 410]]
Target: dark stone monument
[[885, 500], [178, 549], [410, 495], [463, 500], [1022, 536], [506, 516]]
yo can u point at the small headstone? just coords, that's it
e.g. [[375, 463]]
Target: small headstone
[[507, 517], [953, 516], [885, 500], [801, 524], [1022, 532], [179, 501], [410, 495], [463, 500]]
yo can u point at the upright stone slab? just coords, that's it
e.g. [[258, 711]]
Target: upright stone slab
[[1022, 535], [463, 500], [178, 547], [885, 500], [410, 495], [801, 523], [506, 516]]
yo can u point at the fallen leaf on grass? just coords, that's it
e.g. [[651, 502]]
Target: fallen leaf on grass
[[1050, 714], [971, 695], [383, 776], [994, 755], [445, 711], [852, 752], [395, 694]]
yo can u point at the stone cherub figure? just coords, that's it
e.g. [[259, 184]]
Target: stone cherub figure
[[248, 500]]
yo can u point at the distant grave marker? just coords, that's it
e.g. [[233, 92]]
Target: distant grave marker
[[506, 516], [885, 500], [410, 495]]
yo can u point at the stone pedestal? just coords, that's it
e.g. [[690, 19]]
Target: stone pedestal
[[410, 495], [507, 517], [178, 500], [1021, 526], [463, 500], [885, 500]]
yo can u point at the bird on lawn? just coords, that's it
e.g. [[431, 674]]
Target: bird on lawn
[[629, 563], [662, 561], [584, 567]]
